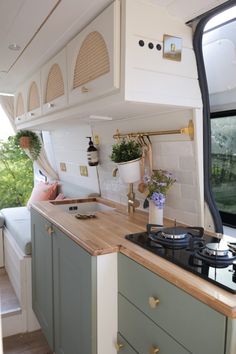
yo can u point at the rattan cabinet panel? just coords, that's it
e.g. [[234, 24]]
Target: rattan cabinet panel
[[54, 83], [93, 57]]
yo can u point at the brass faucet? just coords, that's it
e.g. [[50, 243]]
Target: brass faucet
[[132, 202]]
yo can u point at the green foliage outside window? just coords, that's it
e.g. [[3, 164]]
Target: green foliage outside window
[[16, 175]]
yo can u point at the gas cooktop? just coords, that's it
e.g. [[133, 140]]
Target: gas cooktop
[[191, 249]]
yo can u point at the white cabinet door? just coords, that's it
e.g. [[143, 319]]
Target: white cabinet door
[[20, 104], [94, 57], [54, 83], [33, 97]]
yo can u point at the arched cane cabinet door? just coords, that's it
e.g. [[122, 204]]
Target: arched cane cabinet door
[[54, 83], [33, 97], [19, 107], [93, 57]]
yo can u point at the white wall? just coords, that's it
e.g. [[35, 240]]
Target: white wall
[[69, 145]]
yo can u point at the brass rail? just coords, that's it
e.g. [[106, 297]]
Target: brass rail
[[189, 130]]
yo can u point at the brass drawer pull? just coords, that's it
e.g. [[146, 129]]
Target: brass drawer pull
[[153, 302], [119, 346], [84, 89], [49, 229], [154, 350]]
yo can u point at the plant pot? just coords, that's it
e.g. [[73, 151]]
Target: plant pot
[[24, 142], [129, 171], [155, 214]]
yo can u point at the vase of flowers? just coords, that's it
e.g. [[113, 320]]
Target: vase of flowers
[[156, 188]]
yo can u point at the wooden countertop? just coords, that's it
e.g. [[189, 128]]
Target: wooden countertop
[[106, 234]]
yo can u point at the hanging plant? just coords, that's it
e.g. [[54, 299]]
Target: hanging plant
[[124, 151], [27, 139]]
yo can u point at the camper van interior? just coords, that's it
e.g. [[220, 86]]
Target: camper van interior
[[118, 176]]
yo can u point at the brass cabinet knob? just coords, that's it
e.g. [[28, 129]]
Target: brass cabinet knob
[[119, 346], [154, 350], [49, 229], [153, 302], [84, 89]]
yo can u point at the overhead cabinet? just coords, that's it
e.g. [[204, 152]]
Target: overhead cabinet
[[20, 106], [94, 57], [28, 100], [54, 84], [34, 97], [133, 52]]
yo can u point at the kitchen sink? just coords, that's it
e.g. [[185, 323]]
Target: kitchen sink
[[83, 208]]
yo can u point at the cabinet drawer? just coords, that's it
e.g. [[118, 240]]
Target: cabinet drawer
[[125, 347], [142, 333], [192, 323]]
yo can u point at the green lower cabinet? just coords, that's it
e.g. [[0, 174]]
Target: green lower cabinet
[[144, 335], [64, 289], [42, 277], [149, 304], [123, 346], [74, 297]]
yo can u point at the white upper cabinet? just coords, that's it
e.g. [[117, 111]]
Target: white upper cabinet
[[20, 104], [34, 98], [149, 76], [133, 59], [94, 57], [54, 83]]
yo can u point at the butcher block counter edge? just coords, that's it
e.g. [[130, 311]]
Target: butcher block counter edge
[[106, 234]]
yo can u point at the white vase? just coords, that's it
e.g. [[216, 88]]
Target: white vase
[[129, 171], [155, 214]]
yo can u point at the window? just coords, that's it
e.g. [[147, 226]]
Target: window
[[223, 162], [215, 49]]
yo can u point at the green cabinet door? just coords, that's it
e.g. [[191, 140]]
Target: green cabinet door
[[74, 297], [42, 279]]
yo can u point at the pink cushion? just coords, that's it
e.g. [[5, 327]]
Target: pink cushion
[[60, 196], [43, 191]]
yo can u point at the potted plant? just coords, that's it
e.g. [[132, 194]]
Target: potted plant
[[156, 188], [27, 139], [127, 154]]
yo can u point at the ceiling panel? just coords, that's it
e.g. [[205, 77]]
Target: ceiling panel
[[23, 24], [20, 19], [188, 10], [8, 12]]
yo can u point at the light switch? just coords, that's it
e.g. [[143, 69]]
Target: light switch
[[83, 171]]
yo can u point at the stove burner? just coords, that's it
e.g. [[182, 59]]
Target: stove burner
[[214, 260], [175, 237], [219, 249]]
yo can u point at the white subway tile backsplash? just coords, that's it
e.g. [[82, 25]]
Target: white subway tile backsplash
[[185, 177], [187, 163], [173, 154], [189, 192]]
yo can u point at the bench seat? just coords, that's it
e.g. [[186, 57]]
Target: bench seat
[[17, 222]]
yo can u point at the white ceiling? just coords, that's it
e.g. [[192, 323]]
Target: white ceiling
[[41, 28]]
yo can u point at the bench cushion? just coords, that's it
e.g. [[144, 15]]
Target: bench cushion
[[17, 221]]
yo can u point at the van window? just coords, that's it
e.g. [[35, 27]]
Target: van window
[[219, 54]]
